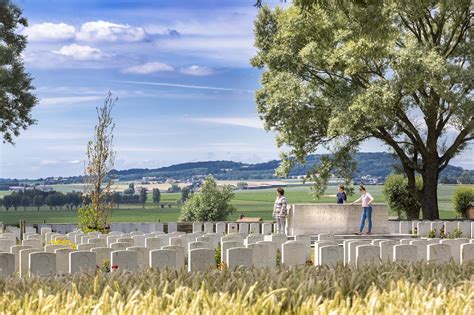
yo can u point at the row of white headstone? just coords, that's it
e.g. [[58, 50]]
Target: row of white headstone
[[424, 228]]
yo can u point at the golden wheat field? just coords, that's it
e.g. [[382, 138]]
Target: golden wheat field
[[387, 289]]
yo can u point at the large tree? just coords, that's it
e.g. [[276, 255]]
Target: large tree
[[336, 73], [16, 98]]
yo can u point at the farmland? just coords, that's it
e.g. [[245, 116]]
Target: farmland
[[251, 203]]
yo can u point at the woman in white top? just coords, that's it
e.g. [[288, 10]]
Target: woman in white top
[[366, 199], [280, 211]]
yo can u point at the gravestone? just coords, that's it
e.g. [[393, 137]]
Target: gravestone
[[326, 237], [455, 247], [124, 260], [6, 244], [119, 246], [233, 237], [102, 254], [406, 241], [367, 255], [208, 240], [24, 260], [351, 251], [449, 227], [7, 264], [172, 227], [424, 228], [84, 238], [405, 253], [267, 228], [143, 255], [377, 241], [239, 257], [33, 243], [197, 227], [52, 248], [196, 245], [244, 228], [15, 250], [404, 227], [220, 228], [178, 241], [437, 226], [232, 228], [62, 260], [254, 228], [439, 253], [386, 250], [98, 242], [153, 243], [216, 238], [82, 261], [201, 259], [253, 239], [293, 253], [180, 260], [465, 228], [42, 264], [467, 253], [208, 227], [85, 246], [139, 240], [330, 255], [305, 238], [279, 239], [225, 246], [393, 227], [163, 258], [263, 254], [421, 249], [159, 227], [318, 245]]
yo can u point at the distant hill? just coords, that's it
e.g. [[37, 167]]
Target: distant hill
[[370, 166]]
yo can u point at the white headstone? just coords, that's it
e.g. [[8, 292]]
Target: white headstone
[[307, 240], [153, 243], [82, 261], [102, 254], [143, 255], [85, 246], [263, 254], [52, 248], [424, 228], [317, 246], [163, 258], [225, 246], [232, 228], [293, 253], [439, 253], [437, 226], [239, 257], [201, 259], [33, 243], [326, 237], [233, 237], [406, 241], [465, 228], [216, 238], [254, 228], [62, 260], [179, 255], [119, 246], [6, 243], [386, 250], [367, 255], [350, 253], [405, 253], [98, 242], [449, 227], [279, 239], [45, 230], [330, 255], [220, 227], [467, 253], [124, 260], [197, 227], [24, 260], [244, 228], [404, 227], [208, 227], [15, 250], [159, 227], [252, 239], [138, 240], [178, 241], [7, 264], [267, 228], [42, 264], [455, 247], [421, 249], [172, 227]]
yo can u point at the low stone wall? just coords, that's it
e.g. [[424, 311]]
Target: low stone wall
[[334, 218]]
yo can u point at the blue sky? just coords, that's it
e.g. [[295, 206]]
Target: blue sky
[[181, 72]]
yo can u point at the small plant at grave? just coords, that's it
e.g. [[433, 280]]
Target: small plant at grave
[[415, 231], [309, 262], [442, 233], [432, 233], [278, 257], [410, 232], [217, 258], [457, 233], [67, 243], [105, 265]]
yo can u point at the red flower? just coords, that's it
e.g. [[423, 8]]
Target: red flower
[[114, 267]]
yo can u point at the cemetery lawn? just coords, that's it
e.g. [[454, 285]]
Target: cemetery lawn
[[250, 203], [387, 289]]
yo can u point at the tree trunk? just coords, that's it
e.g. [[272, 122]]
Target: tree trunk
[[429, 198]]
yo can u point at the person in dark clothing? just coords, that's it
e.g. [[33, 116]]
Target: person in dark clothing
[[341, 196]]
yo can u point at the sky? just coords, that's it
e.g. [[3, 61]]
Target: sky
[[179, 68]]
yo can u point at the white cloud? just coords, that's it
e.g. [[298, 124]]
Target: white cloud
[[49, 32], [67, 100], [110, 32], [249, 122], [150, 67], [79, 52], [197, 70]]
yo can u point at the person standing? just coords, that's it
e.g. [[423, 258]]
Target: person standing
[[280, 210], [366, 200], [341, 196]]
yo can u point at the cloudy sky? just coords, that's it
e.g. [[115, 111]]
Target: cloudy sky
[[181, 72]]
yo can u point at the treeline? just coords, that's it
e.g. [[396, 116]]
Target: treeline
[[36, 199]]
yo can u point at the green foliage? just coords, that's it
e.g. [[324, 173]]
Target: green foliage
[[156, 195], [217, 256], [431, 234], [185, 194], [337, 73], [462, 197], [90, 221], [16, 97], [143, 197], [242, 185], [211, 203], [399, 197], [174, 188]]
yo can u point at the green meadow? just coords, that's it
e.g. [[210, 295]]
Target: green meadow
[[250, 203]]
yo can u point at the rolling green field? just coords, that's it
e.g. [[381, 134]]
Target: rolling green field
[[251, 203]]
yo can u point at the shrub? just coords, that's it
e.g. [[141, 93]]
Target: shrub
[[67, 243], [462, 197], [399, 198], [211, 203]]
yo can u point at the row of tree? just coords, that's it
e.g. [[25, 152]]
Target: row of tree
[[38, 199]]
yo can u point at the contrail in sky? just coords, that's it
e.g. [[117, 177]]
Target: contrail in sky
[[184, 86]]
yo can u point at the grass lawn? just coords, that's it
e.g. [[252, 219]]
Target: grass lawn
[[252, 203]]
